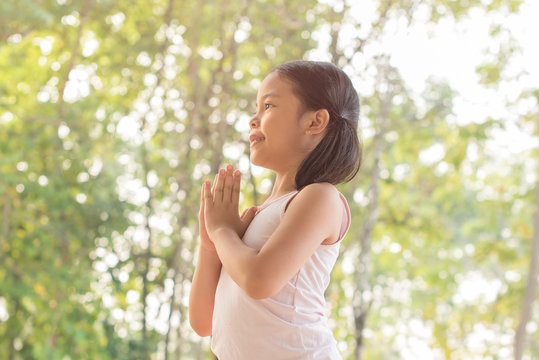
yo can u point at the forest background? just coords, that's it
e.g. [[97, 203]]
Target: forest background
[[112, 113]]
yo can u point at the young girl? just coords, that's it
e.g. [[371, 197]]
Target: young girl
[[259, 283]]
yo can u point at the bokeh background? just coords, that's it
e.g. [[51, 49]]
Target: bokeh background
[[112, 113]]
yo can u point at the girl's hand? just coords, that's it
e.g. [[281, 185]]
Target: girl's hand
[[221, 204], [205, 240]]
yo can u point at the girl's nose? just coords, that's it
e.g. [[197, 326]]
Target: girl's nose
[[253, 123]]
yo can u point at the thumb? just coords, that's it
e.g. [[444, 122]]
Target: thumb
[[248, 215]]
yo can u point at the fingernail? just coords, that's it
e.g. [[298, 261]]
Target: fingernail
[[221, 171], [229, 167]]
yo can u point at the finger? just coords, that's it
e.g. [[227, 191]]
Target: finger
[[202, 199], [213, 186], [243, 213], [218, 193], [236, 188], [229, 182], [208, 203], [254, 209], [248, 215]]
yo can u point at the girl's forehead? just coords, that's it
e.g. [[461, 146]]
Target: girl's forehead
[[273, 84]]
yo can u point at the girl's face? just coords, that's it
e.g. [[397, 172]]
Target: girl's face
[[278, 138]]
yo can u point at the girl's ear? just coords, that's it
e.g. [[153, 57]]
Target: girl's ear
[[318, 122]]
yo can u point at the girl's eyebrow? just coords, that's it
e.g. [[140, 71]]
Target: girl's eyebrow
[[270, 94], [267, 95]]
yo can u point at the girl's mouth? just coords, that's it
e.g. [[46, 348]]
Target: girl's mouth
[[255, 139]]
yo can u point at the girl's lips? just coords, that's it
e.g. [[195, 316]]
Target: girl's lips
[[255, 139]]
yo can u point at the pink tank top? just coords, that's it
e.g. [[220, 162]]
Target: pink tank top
[[288, 325]]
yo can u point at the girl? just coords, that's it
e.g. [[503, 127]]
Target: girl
[[259, 283]]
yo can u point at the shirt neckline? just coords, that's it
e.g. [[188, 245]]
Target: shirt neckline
[[266, 204]]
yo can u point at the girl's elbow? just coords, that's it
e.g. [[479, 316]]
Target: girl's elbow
[[203, 332], [259, 288], [199, 328], [199, 321]]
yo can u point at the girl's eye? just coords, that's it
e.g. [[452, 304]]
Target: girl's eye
[[267, 106]]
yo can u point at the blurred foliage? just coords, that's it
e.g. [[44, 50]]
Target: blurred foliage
[[113, 112]]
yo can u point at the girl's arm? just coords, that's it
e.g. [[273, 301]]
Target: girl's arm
[[205, 279], [202, 295], [207, 273], [312, 218]]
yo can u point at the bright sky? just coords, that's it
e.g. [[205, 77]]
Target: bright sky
[[451, 51], [454, 51]]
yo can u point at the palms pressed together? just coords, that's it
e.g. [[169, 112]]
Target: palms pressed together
[[219, 207]]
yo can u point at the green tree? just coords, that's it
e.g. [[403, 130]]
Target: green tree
[[112, 113]]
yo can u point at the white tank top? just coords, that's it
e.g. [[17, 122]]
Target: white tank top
[[288, 325]]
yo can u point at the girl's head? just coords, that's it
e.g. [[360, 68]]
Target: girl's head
[[327, 113]]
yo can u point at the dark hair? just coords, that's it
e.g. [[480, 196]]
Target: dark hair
[[322, 85]]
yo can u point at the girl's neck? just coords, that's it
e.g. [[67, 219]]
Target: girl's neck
[[284, 184]]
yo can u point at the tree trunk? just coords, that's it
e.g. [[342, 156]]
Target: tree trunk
[[361, 302], [529, 296], [6, 215], [147, 254]]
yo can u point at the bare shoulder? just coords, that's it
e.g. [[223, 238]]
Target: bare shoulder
[[324, 193], [321, 200]]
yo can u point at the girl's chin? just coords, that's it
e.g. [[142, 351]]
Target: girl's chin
[[254, 160], [257, 161]]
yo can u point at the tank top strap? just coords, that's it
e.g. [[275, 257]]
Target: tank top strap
[[346, 216]]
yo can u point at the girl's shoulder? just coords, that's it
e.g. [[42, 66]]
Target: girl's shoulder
[[319, 209], [324, 189], [317, 194]]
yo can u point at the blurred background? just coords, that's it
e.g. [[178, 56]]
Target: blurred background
[[112, 113]]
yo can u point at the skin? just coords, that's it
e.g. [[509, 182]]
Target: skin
[[290, 132], [207, 271], [312, 219]]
